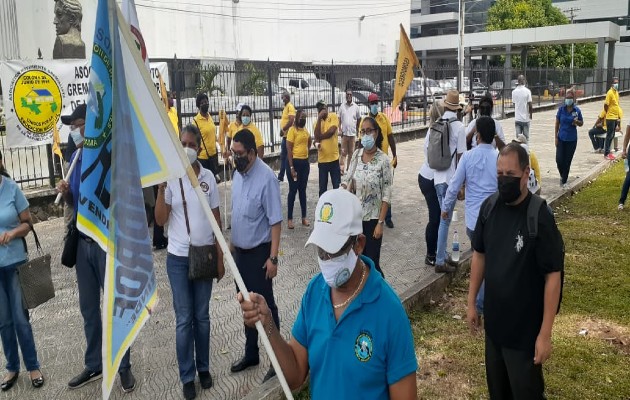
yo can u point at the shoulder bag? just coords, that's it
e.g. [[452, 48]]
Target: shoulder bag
[[70, 245], [35, 277], [202, 260]]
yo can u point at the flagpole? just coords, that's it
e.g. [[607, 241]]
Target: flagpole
[[72, 166]]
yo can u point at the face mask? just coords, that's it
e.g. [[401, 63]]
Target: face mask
[[76, 136], [191, 153], [374, 109], [367, 141], [301, 123], [509, 188], [246, 120], [337, 271], [568, 102], [241, 163], [204, 108], [616, 86]]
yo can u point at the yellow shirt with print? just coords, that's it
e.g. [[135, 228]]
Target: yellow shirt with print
[[612, 101], [253, 129], [288, 111], [172, 115], [299, 137], [386, 130], [208, 136], [329, 148]]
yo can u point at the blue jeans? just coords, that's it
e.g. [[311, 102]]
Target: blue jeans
[[624, 189], [431, 231], [564, 156], [440, 257], [191, 302], [90, 270], [521, 127], [597, 142], [14, 322], [334, 170], [302, 169], [283, 159]]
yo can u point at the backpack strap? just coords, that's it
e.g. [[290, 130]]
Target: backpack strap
[[533, 209], [489, 206]]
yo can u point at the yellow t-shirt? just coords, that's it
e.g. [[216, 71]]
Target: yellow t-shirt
[[329, 148], [612, 101], [208, 135], [288, 110], [299, 137], [386, 130], [253, 129], [233, 128], [172, 115]]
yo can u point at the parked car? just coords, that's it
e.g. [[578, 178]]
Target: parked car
[[388, 89], [550, 86], [446, 85], [362, 84], [415, 95], [496, 89], [433, 91]]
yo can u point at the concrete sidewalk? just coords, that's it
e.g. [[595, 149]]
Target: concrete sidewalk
[[58, 325]]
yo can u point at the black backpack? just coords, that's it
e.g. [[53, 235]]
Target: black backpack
[[535, 203]]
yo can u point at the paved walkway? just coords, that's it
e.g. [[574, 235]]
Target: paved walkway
[[58, 324]]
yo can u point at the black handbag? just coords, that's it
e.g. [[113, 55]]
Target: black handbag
[[35, 277], [70, 245], [202, 260]]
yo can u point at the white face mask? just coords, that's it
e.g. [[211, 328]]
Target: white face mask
[[191, 153], [75, 134], [337, 271]]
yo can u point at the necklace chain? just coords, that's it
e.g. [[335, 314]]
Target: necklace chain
[[356, 291]]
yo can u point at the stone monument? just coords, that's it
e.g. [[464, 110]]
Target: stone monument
[[68, 16]]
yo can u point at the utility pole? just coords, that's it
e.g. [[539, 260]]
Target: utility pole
[[460, 49], [572, 13]]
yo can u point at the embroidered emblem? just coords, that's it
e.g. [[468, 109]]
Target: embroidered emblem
[[363, 346], [519, 243], [204, 187], [326, 213]]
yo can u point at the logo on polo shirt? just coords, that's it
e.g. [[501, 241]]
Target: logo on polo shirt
[[519, 243], [326, 213], [363, 346], [204, 186]]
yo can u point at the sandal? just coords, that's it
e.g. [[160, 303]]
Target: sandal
[[290, 224], [305, 222]]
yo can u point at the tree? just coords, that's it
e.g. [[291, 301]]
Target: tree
[[519, 14], [207, 76], [254, 84]]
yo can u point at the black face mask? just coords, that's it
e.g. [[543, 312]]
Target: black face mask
[[204, 108], [509, 188], [241, 163], [301, 123]]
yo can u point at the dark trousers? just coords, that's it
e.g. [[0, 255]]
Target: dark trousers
[[427, 188], [388, 216], [624, 189], [331, 168], [302, 169], [250, 264], [564, 157], [211, 163], [91, 280], [611, 124], [512, 375], [597, 142], [372, 248], [283, 159]]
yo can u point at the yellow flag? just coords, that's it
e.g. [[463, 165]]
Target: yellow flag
[[407, 61], [163, 93], [223, 127], [56, 140]]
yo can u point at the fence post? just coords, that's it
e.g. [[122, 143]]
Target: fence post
[[332, 83], [270, 100], [51, 165], [176, 84]]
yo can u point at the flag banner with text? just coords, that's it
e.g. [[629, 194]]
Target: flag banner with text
[[407, 61], [37, 92]]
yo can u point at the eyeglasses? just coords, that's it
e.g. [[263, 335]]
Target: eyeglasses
[[237, 155], [324, 256], [367, 131]]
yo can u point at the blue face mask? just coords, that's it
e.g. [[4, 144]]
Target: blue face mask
[[568, 102], [616, 86], [245, 119], [367, 141], [374, 109]]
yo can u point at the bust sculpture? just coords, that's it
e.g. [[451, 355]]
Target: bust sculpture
[[68, 16]]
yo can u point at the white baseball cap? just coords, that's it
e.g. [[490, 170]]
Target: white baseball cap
[[338, 216], [239, 106]]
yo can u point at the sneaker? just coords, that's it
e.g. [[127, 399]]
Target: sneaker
[[429, 260], [565, 186], [127, 380], [610, 156], [189, 390], [620, 207], [84, 378], [440, 269], [205, 379]]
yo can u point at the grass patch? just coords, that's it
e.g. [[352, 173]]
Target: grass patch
[[591, 365]]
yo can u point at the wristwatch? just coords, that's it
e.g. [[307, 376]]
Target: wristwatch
[[274, 260], [381, 222]]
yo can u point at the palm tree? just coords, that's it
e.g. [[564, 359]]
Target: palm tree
[[254, 83], [207, 75]]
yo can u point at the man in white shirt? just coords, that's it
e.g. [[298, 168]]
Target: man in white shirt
[[349, 117], [523, 109]]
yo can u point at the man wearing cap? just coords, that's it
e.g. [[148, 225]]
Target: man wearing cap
[[256, 219], [326, 132], [352, 333], [90, 268], [286, 122], [349, 118], [457, 144], [388, 141]]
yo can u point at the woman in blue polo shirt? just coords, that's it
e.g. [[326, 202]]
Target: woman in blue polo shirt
[[568, 118], [15, 223]]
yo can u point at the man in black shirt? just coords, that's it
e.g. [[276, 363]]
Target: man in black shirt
[[523, 282]]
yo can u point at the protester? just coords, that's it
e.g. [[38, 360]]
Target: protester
[[298, 144], [626, 183], [457, 146], [485, 109], [349, 118], [614, 113], [256, 219], [233, 127], [568, 118], [208, 156], [371, 173], [172, 114], [388, 142], [177, 202], [15, 327], [90, 269], [352, 333], [427, 187], [598, 129], [522, 282], [246, 121], [286, 122], [523, 109], [326, 132]]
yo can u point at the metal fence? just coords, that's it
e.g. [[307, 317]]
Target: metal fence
[[260, 84]]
